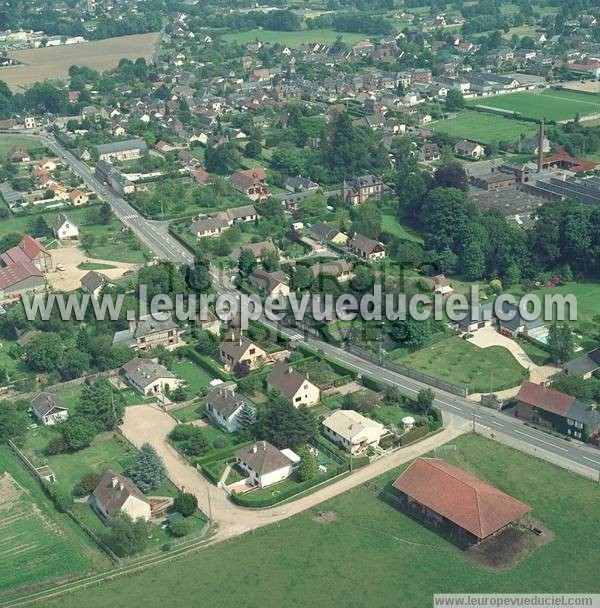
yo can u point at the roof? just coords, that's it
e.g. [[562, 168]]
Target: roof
[[114, 489], [248, 178], [91, 280], [546, 399], [517, 320], [263, 458], [209, 223], [286, 379], [460, 497], [18, 271], [324, 231], [61, 219], [585, 364], [335, 269], [47, 403], [239, 212], [364, 244], [255, 248], [350, 424], [121, 146], [32, 247], [586, 414], [148, 325], [269, 281], [145, 371], [236, 344], [224, 400]]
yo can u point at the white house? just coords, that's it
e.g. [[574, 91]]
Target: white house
[[116, 493], [49, 409], [293, 384], [148, 377], [353, 431], [64, 229], [92, 282], [224, 406], [264, 464]]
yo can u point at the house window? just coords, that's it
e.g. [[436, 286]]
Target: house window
[[298, 399], [252, 351], [570, 421]]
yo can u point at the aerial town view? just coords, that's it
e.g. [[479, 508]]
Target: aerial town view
[[299, 303]]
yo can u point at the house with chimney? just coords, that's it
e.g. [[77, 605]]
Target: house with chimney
[[252, 183], [148, 377], [352, 431], [48, 409], [272, 283], [469, 149], [239, 353], [116, 494], [64, 229], [359, 189], [585, 365], [295, 385], [264, 464], [92, 282], [365, 248], [224, 405], [148, 332]]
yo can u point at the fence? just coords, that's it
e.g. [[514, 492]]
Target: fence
[[461, 391]]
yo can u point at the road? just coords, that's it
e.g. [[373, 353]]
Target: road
[[572, 455]]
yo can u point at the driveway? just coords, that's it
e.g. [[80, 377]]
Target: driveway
[[149, 424]]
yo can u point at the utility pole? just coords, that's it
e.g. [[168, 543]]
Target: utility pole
[[209, 505]]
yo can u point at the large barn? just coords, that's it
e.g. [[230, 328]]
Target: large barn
[[460, 505]]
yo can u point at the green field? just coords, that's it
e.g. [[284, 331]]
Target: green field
[[36, 542], [390, 224], [484, 128], [293, 39], [6, 143], [550, 104], [373, 555], [196, 377], [456, 360]]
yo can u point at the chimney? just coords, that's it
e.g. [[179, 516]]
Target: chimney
[[540, 163], [254, 449], [264, 446], [115, 482]]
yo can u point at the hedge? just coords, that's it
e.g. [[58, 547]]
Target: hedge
[[414, 434], [221, 453], [206, 363], [338, 366]]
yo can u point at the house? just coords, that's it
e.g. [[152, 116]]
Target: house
[[148, 377], [559, 412], [440, 284], [341, 270], [19, 272], [466, 508], [469, 149], [252, 183], [206, 320], [11, 197], [64, 229], [517, 324], [237, 351], [359, 189], [300, 184], [29, 249], [585, 365], [237, 215], [324, 233], [273, 283], [92, 282], [148, 332], [116, 494], [294, 385], [531, 145], [18, 154], [223, 406], [365, 248], [429, 152], [111, 176], [128, 149], [78, 197], [210, 226], [477, 317], [264, 464], [353, 431], [49, 409], [258, 249]]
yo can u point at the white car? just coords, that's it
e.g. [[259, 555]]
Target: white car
[[60, 267]]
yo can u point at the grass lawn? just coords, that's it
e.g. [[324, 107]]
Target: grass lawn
[[189, 413], [196, 377], [379, 553], [6, 143], [94, 266], [70, 396], [551, 104], [456, 360], [293, 39], [36, 542], [390, 224], [483, 127], [391, 415]]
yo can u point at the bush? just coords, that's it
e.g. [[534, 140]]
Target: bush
[[182, 432], [62, 500], [181, 527], [56, 445], [219, 443], [86, 485], [185, 503]]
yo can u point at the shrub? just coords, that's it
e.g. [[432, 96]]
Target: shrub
[[181, 527], [182, 432], [60, 498], [86, 485], [56, 445], [219, 443], [185, 503]]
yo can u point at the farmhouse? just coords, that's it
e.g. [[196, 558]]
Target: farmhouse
[[557, 411], [252, 183], [23, 267], [238, 351], [448, 498], [122, 150], [149, 332], [294, 385], [224, 406], [148, 377], [29, 249], [353, 431], [116, 494], [49, 409], [264, 464], [359, 189], [273, 283], [365, 248], [64, 229]]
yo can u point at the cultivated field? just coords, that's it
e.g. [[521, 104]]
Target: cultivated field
[[484, 128], [36, 543], [551, 104], [54, 62], [293, 39], [385, 558]]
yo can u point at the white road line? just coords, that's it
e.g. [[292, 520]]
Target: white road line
[[542, 441], [591, 460], [496, 423]]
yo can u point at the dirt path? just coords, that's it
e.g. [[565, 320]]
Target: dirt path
[[149, 424]]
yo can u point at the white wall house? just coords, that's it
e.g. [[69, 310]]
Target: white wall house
[[64, 229], [48, 409], [148, 377], [294, 385], [223, 406], [264, 464], [116, 493], [353, 431]]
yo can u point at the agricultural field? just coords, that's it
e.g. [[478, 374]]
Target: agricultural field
[[383, 554], [484, 128], [293, 39], [456, 360], [37, 544], [54, 62], [550, 104]]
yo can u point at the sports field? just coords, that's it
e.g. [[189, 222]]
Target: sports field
[[293, 39], [484, 128], [36, 542], [551, 104], [383, 557]]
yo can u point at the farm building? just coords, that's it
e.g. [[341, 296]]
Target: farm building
[[457, 503]]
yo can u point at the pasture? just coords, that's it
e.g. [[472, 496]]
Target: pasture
[[293, 39], [551, 104], [37, 544], [484, 128], [384, 557], [54, 62]]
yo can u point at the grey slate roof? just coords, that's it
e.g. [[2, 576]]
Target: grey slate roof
[[224, 400], [121, 146], [148, 325], [145, 371], [585, 364], [114, 489], [47, 403], [286, 379], [263, 457]]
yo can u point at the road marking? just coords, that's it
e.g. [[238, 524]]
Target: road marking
[[591, 460], [496, 423], [541, 441]]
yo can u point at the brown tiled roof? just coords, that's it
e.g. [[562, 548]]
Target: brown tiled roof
[[236, 344], [459, 496], [546, 399], [114, 489], [286, 379]]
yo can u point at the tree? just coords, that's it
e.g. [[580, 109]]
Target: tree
[[126, 536], [424, 401], [411, 332], [102, 404], [362, 279], [74, 363], [307, 468], [86, 485], [56, 445], [197, 444], [148, 472], [253, 149], [367, 220], [13, 422], [185, 503], [301, 277], [78, 432], [44, 352], [224, 159], [246, 419], [270, 260], [364, 402], [247, 262], [452, 175], [454, 101], [12, 239], [560, 342]]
